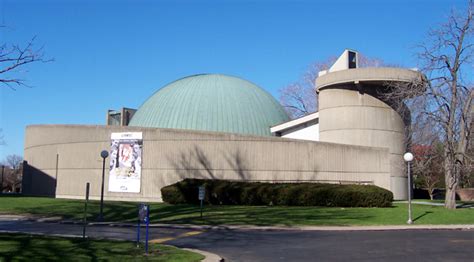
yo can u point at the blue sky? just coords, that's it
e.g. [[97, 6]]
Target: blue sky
[[109, 54]]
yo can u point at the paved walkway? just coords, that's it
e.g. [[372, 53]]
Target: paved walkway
[[436, 204], [244, 227]]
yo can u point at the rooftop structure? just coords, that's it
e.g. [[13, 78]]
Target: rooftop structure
[[120, 117]]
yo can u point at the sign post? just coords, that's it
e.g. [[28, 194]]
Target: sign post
[[85, 211], [138, 225], [143, 215], [147, 220], [202, 193]]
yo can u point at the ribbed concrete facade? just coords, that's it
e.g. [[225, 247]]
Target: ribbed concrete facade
[[351, 112], [348, 117], [62, 158]]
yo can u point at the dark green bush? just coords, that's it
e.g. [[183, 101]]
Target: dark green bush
[[173, 194], [221, 192]]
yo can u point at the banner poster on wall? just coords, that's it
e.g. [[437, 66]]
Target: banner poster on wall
[[125, 162]]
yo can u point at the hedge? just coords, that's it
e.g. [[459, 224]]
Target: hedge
[[222, 192]]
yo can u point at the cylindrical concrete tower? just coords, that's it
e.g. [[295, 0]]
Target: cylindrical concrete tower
[[352, 111]]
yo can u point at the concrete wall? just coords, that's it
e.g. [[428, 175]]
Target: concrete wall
[[352, 111], [68, 156], [350, 117]]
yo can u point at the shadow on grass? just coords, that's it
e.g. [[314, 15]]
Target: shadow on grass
[[19, 247], [263, 216], [237, 215], [24, 247], [187, 214], [422, 215]]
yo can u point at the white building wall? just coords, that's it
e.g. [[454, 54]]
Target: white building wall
[[307, 133]]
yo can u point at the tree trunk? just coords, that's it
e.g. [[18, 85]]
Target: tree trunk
[[451, 185], [450, 201]]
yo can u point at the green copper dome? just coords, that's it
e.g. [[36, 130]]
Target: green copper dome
[[211, 102]]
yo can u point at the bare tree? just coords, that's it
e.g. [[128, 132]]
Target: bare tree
[[427, 166], [449, 52], [445, 103], [13, 173], [300, 98], [13, 161], [14, 58]]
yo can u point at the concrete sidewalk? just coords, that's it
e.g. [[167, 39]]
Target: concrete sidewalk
[[245, 227], [459, 205]]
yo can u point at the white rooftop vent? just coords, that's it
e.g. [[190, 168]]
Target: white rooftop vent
[[347, 60]]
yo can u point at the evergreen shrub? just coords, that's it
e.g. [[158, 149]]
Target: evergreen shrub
[[222, 192]]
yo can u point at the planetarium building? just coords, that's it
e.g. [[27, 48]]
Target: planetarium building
[[223, 127]]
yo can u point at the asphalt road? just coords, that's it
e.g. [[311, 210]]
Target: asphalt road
[[410, 245], [291, 245]]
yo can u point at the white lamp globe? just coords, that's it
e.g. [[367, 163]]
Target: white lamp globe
[[408, 157]]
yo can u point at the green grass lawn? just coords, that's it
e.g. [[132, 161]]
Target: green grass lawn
[[239, 215], [23, 247]]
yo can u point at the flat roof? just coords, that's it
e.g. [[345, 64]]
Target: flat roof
[[368, 74], [295, 122]]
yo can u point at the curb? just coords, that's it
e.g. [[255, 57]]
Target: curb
[[209, 257], [301, 228]]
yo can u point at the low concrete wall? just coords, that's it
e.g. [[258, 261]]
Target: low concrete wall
[[67, 156]]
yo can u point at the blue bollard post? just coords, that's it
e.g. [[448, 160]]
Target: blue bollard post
[[138, 233], [140, 218], [147, 224]]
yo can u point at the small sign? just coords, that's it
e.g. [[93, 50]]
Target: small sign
[[202, 192], [143, 212]]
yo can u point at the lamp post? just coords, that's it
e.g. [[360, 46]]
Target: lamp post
[[408, 157], [104, 154]]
